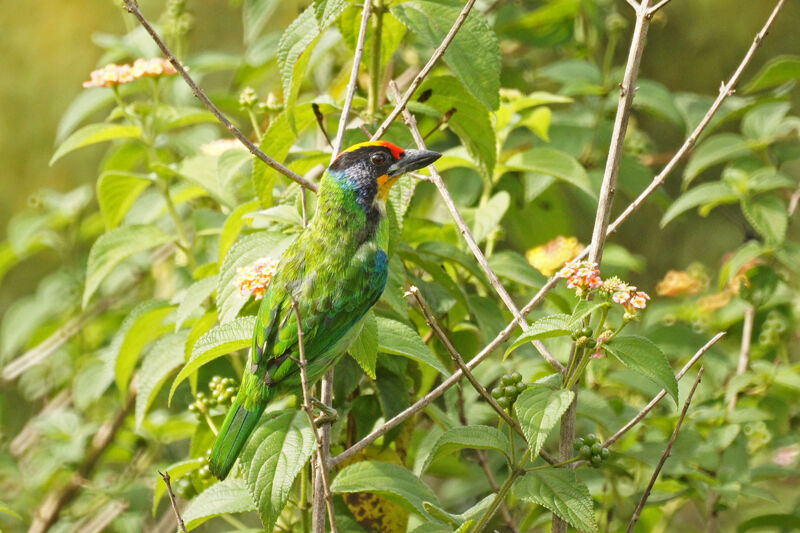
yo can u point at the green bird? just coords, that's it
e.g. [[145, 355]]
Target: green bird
[[335, 272]]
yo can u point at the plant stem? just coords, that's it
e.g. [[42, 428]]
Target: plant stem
[[373, 97], [184, 243], [516, 471]]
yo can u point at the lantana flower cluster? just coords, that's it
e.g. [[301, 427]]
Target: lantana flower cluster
[[584, 277], [255, 278], [551, 256], [113, 75]]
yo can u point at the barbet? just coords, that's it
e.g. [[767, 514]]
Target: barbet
[[335, 271]]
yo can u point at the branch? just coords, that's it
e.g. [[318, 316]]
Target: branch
[[132, 7], [351, 86], [466, 233], [633, 4], [322, 491], [666, 453], [401, 104], [744, 349], [652, 10], [636, 419], [165, 477]]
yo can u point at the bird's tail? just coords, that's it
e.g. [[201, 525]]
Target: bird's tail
[[238, 425]]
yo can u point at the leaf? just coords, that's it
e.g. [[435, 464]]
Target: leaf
[[255, 15], [365, 347], [193, 298], [553, 163], [114, 247], [768, 215], [396, 338], [473, 54], [176, 471], [777, 71], [711, 193], [538, 121], [643, 356], [242, 254], [543, 328], [539, 409], [233, 226], [7, 510], [470, 122], [763, 123], [84, 105], [713, 151], [276, 452], [116, 193], [473, 437], [488, 216], [93, 134], [584, 309], [221, 340], [392, 33], [140, 328], [513, 266], [386, 479], [559, 490], [226, 497], [161, 360], [657, 100], [780, 522]]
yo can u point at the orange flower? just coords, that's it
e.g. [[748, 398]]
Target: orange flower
[[255, 278], [549, 257], [713, 302], [679, 282], [113, 75]]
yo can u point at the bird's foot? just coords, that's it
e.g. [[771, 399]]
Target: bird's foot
[[328, 415]]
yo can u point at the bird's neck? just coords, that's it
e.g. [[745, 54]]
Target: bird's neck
[[348, 212]]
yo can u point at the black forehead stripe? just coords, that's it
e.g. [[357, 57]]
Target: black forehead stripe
[[347, 159]]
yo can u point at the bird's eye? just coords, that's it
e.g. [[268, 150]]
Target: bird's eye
[[378, 158]]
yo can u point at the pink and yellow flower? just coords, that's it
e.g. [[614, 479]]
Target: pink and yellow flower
[[113, 75], [582, 276], [255, 278], [549, 257]]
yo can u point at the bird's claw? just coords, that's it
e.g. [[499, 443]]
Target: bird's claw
[[328, 415]]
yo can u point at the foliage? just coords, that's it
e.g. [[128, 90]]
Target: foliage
[[145, 314]]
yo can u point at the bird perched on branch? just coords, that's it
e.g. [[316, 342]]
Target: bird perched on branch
[[335, 271]]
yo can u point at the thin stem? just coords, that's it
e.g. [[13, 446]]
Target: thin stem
[[165, 476], [516, 470], [132, 7], [652, 10], [744, 349], [375, 75], [664, 455], [184, 243]]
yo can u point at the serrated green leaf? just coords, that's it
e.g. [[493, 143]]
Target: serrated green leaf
[[171, 118], [242, 254], [161, 360], [472, 437], [711, 193], [277, 451], [768, 215], [221, 340], [175, 471], [763, 123], [114, 247], [386, 479], [365, 347], [392, 33], [201, 171], [713, 151], [643, 356], [584, 309], [140, 328], [539, 409], [777, 71], [193, 298], [511, 265], [559, 490], [553, 163], [473, 54], [84, 105], [233, 226], [116, 193], [396, 338], [226, 497], [543, 328], [93, 134]]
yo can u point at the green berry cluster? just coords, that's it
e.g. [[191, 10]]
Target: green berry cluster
[[584, 337], [772, 329], [222, 392], [184, 488], [591, 449], [508, 389], [204, 473]]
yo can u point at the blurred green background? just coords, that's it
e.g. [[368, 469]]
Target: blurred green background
[[46, 53]]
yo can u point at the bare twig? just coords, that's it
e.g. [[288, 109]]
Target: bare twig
[[102, 518], [666, 453], [439, 52], [321, 123], [165, 477], [744, 349], [317, 513], [633, 4], [652, 10], [351, 86], [646, 409], [132, 7], [466, 233], [322, 495]]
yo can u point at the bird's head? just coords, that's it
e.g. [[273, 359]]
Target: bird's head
[[371, 168]]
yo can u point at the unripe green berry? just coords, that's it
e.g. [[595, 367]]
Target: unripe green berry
[[597, 448], [497, 393], [510, 391], [503, 402], [596, 460], [516, 377], [507, 380], [579, 443], [605, 453], [585, 451], [586, 332]]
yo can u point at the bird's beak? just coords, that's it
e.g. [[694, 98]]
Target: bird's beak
[[412, 160]]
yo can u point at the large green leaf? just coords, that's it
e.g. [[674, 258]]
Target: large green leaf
[[511, 265], [764, 123], [657, 100], [140, 328], [272, 458], [397, 338], [712, 194], [768, 215], [114, 247], [473, 437], [559, 490], [116, 193], [175, 471], [777, 71], [392, 33], [221, 340], [486, 218], [539, 409], [474, 53], [386, 479], [553, 163], [193, 299], [226, 497], [471, 120], [161, 360], [233, 226], [93, 134], [713, 151], [365, 347], [643, 356], [543, 328]]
